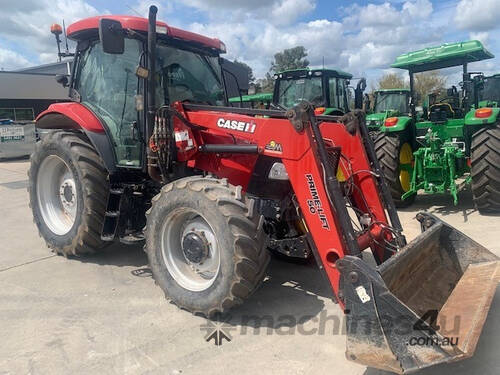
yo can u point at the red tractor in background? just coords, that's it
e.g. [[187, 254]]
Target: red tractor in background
[[148, 141]]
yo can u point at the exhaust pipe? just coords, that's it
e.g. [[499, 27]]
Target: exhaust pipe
[[152, 159], [424, 306]]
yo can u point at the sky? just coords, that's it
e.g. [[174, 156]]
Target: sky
[[361, 37]]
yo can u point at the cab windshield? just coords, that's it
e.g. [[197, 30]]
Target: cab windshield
[[491, 90], [188, 76], [293, 90], [391, 101]]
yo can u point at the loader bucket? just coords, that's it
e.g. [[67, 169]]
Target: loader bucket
[[424, 306]]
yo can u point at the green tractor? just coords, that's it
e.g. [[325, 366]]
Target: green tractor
[[261, 100], [326, 89], [455, 143], [387, 103]]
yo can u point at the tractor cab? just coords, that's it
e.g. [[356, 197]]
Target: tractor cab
[[489, 93], [110, 77], [388, 103], [326, 89]]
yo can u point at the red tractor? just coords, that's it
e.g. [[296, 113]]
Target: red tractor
[[148, 148]]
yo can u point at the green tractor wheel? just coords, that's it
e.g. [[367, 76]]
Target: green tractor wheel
[[396, 159], [485, 169]]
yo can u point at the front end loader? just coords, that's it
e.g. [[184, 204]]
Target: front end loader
[[149, 141]]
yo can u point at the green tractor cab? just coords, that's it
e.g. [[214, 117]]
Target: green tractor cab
[[456, 141], [326, 89], [259, 101], [489, 96], [387, 103]]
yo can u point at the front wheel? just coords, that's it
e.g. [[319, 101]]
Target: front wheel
[[205, 244], [396, 160], [68, 188]]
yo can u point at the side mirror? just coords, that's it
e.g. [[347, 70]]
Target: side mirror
[[111, 36], [62, 79]]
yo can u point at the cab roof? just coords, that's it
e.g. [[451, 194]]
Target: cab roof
[[303, 72], [89, 27], [443, 56]]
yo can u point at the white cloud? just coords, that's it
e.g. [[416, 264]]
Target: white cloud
[[210, 5], [366, 38], [277, 12], [379, 15], [27, 24], [10, 60], [477, 15], [361, 39], [482, 36], [418, 9], [287, 11]]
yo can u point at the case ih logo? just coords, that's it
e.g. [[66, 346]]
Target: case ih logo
[[315, 205], [242, 126]]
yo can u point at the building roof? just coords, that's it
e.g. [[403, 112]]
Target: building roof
[[61, 67], [17, 85]]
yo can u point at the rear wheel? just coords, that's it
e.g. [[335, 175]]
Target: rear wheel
[[205, 244], [396, 159], [68, 189], [485, 169]]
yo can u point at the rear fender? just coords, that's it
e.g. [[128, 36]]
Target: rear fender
[[74, 116]]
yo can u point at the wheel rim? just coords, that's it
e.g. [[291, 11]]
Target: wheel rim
[[405, 165], [190, 250], [56, 195]]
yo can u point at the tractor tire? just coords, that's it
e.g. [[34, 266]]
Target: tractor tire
[[390, 151], [68, 191], [205, 244], [485, 169]]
